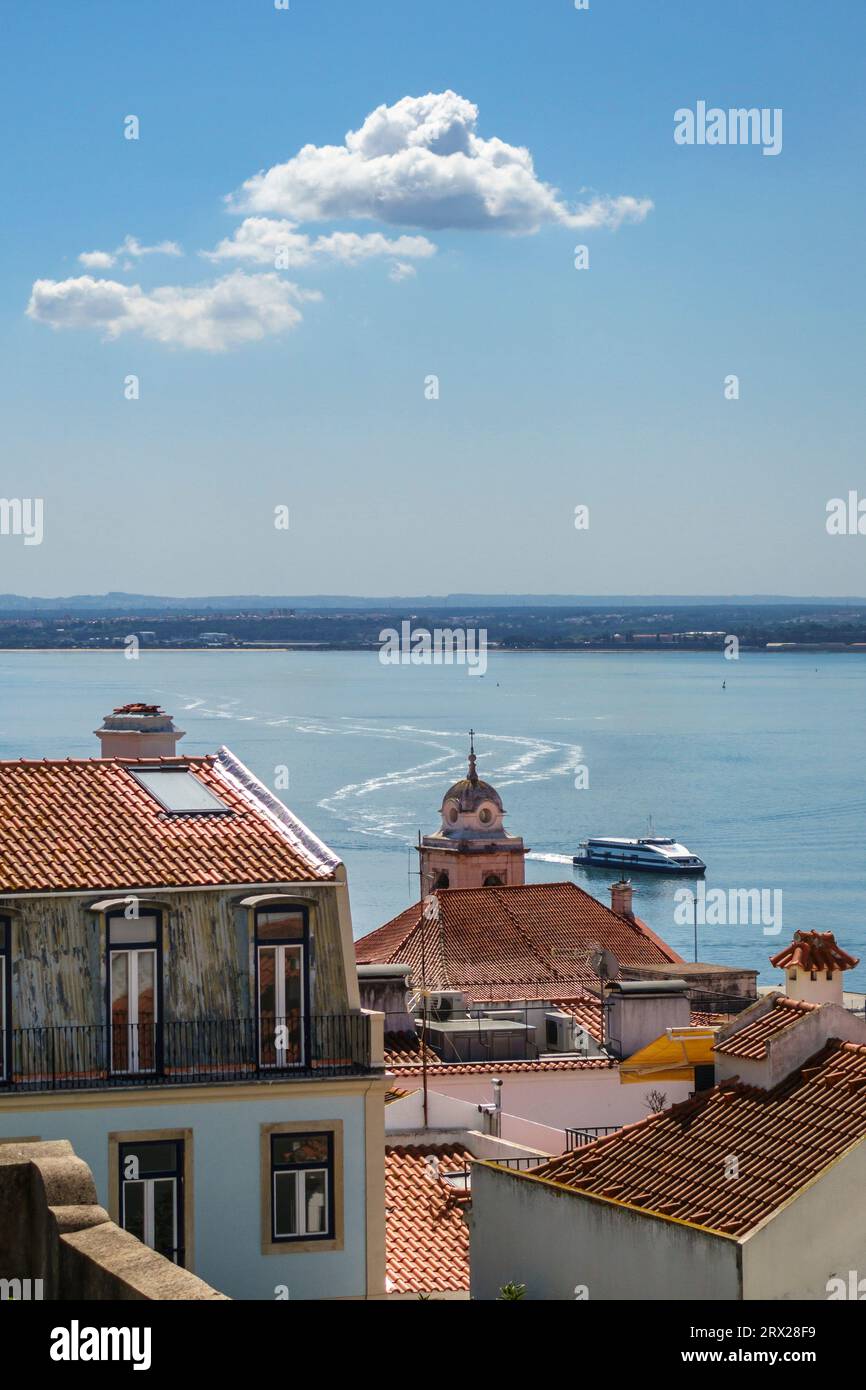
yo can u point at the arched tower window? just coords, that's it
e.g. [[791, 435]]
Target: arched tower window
[[492, 881], [441, 881]]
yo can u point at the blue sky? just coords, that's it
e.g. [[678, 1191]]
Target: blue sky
[[557, 387]]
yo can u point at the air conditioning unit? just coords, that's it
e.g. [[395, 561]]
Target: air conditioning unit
[[563, 1033], [445, 1004]]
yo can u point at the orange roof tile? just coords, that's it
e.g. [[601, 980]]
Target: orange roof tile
[[439, 1068], [403, 1049], [426, 1238], [814, 950], [396, 1093], [751, 1041], [87, 824], [510, 942], [674, 1164]]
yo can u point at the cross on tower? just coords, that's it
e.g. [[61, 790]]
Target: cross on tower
[[473, 775]]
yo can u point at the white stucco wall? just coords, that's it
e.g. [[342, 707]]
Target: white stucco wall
[[816, 1237], [559, 1099], [226, 1176], [446, 1112], [553, 1241]]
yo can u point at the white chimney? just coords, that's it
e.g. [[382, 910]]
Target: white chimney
[[138, 731], [814, 966]]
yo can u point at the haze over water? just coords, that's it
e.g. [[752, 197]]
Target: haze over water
[[764, 779]]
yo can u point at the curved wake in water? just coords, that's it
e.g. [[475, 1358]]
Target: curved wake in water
[[370, 806]]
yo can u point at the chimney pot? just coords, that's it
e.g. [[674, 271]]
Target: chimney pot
[[620, 898], [138, 731]]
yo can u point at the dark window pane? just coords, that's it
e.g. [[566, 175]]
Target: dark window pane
[[152, 1158], [3, 930], [133, 1208], [164, 1210], [285, 1204], [301, 1148], [283, 925]]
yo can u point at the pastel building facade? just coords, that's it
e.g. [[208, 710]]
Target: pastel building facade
[[178, 998]]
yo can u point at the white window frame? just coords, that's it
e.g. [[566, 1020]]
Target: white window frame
[[301, 1202], [149, 1185]]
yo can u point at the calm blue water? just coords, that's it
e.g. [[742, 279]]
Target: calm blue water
[[765, 780]]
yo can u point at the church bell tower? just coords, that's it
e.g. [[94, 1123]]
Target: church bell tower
[[471, 848]]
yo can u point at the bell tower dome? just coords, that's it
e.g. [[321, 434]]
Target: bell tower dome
[[471, 848]]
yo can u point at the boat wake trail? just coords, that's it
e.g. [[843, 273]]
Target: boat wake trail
[[386, 804]]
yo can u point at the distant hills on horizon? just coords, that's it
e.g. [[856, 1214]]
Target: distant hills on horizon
[[118, 602]]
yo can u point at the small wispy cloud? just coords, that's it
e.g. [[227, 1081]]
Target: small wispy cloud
[[237, 309], [130, 246], [277, 242]]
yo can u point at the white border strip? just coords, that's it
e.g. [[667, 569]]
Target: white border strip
[[311, 849]]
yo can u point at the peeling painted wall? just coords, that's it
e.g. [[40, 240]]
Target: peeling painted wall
[[58, 958]]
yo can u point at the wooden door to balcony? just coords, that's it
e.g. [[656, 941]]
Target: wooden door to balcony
[[282, 986], [134, 990], [281, 1005]]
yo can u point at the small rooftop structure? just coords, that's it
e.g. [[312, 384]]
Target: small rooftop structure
[[138, 730], [814, 967], [754, 1029]]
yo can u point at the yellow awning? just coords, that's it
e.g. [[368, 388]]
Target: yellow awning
[[672, 1057]]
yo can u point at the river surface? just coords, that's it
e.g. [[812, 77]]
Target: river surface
[[764, 779]]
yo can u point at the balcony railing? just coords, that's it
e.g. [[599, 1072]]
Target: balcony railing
[[120, 1054], [577, 1138]]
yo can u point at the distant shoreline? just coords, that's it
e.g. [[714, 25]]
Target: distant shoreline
[[312, 649]]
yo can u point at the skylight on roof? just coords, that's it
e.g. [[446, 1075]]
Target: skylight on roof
[[178, 791]]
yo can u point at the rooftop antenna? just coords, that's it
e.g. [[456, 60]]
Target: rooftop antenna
[[604, 964]]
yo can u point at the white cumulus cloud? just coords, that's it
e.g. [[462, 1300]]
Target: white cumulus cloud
[[237, 309], [130, 246], [277, 242], [421, 163]]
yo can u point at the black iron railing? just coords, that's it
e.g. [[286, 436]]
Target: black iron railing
[[576, 1138], [721, 1003], [531, 1161], [88, 1056]]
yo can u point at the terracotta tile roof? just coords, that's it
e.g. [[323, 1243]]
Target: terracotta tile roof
[[397, 1093], [751, 1040], [88, 824], [406, 1049], [439, 1068], [510, 942], [814, 950], [674, 1164], [699, 1018], [426, 1237]]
